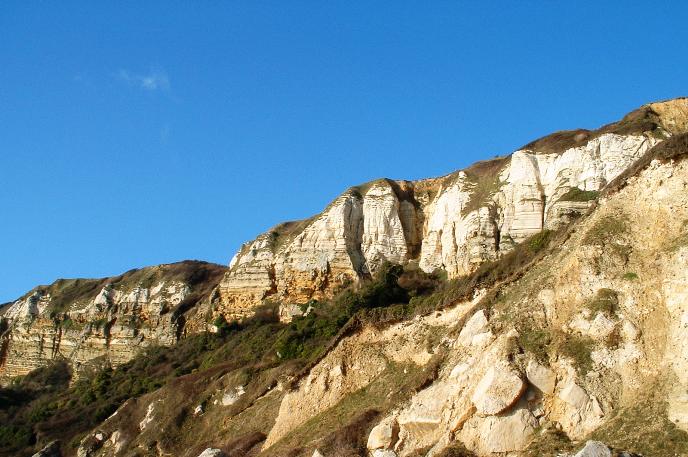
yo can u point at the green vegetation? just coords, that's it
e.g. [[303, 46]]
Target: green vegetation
[[260, 349], [630, 276], [489, 273], [605, 301], [576, 347], [286, 231], [548, 442], [483, 182], [534, 340], [644, 427], [575, 194], [608, 233]]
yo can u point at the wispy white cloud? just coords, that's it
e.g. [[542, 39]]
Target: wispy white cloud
[[155, 79]]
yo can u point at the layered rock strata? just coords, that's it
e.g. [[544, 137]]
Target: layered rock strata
[[101, 320], [454, 222]]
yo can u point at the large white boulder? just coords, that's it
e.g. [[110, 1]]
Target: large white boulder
[[500, 387], [384, 434]]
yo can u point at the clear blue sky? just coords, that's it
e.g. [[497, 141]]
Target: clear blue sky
[[147, 132]]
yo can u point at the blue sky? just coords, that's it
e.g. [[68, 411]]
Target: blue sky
[[137, 133]]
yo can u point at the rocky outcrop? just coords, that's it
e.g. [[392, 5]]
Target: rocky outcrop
[[87, 321], [454, 223]]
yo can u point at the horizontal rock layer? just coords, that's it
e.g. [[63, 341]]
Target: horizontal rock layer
[[101, 320], [454, 222]]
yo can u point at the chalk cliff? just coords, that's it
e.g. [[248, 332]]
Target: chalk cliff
[[453, 223], [89, 321]]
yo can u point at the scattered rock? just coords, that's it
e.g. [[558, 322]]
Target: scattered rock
[[229, 398], [499, 389], [317, 453], [594, 449], [198, 410]]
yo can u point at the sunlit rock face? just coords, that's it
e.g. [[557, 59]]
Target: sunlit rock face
[[455, 222], [101, 320]]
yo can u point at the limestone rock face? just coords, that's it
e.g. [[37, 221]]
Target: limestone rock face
[[455, 222], [101, 320]]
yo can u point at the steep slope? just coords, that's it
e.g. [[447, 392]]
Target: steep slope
[[587, 340], [453, 223], [590, 341], [107, 320]]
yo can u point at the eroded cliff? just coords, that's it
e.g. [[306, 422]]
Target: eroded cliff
[[92, 321], [453, 223]]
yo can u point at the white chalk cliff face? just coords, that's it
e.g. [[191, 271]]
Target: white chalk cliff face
[[99, 320], [454, 223]]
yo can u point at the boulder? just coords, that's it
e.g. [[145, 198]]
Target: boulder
[[541, 377], [475, 326], [384, 434], [500, 387], [594, 449], [510, 432], [574, 395]]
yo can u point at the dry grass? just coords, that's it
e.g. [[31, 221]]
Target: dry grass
[[643, 427]]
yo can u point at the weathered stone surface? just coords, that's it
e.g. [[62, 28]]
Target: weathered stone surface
[[504, 433], [384, 453], [211, 452], [477, 325], [594, 449], [455, 222], [574, 395], [499, 388], [384, 434], [541, 377], [107, 320]]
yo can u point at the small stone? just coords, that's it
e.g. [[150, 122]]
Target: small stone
[[198, 410], [317, 453], [594, 449], [210, 452]]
